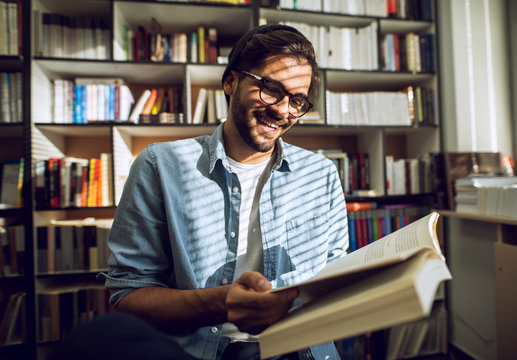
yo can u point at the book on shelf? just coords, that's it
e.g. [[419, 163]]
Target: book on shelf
[[334, 45], [368, 108], [74, 182], [63, 309], [210, 107], [91, 99], [13, 323], [11, 27], [83, 37], [419, 338], [73, 245], [200, 109], [11, 97], [139, 106], [12, 249], [386, 283]]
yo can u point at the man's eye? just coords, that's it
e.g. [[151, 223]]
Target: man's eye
[[273, 90], [298, 101]]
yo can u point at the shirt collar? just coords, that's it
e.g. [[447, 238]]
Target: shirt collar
[[217, 152]]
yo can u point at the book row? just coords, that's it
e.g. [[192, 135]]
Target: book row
[[11, 27], [366, 226], [403, 9], [81, 37], [141, 44], [407, 107], [211, 107], [159, 105], [60, 311], [368, 108], [11, 97], [74, 182], [419, 338], [353, 169], [12, 254], [73, 245], [88, 99], [13, 328], [342, 47], [409, 52], [408, 176], [11, 177]]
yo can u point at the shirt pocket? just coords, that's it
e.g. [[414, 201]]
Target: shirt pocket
[[307, 247], [307, 229]]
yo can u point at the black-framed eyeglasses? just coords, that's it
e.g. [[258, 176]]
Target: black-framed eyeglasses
[[272, 92]]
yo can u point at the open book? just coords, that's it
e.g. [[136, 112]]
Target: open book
[[388, 282]]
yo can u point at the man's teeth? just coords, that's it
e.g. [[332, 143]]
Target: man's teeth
[[274, 126]]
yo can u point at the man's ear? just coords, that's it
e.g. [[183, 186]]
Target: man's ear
[[230, 83]]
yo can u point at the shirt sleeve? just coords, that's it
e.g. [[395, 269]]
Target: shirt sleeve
[[138, 237]]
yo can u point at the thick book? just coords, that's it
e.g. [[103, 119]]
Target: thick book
[[386, 283]]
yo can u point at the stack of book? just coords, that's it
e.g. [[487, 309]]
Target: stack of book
[[487, 195]]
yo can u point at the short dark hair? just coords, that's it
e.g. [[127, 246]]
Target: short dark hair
[[268, 40]]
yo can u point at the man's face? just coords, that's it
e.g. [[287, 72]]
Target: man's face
[[259, 124]]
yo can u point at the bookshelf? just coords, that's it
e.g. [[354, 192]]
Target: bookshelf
[[39, 137], [17, 279]]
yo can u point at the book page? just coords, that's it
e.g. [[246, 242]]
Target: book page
[[392, 248]]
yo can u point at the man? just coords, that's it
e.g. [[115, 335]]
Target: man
[[206, 226]]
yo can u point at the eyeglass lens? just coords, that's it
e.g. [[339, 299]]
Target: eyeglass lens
[[272, 93]]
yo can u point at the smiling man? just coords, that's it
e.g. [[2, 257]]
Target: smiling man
[[206, 226]]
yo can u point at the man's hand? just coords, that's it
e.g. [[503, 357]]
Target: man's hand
[[251, 307]]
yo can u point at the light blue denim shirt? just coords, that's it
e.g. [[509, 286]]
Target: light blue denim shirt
[[177, 224]]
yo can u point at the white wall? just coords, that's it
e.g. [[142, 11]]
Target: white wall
[[474, 67], [475, 75]]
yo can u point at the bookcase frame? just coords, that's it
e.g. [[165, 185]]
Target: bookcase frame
[[40, 138]]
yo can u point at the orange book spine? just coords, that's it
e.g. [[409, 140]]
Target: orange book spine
[[150, 102]]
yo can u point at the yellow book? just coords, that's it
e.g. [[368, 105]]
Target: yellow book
[[201, 44]]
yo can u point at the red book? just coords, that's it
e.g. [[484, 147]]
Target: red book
[[392, 8], [54, 169], [396, 51]]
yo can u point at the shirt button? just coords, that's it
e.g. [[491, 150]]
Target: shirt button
[[214, 329], [235, 190], [224, 281], [232, 234]]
